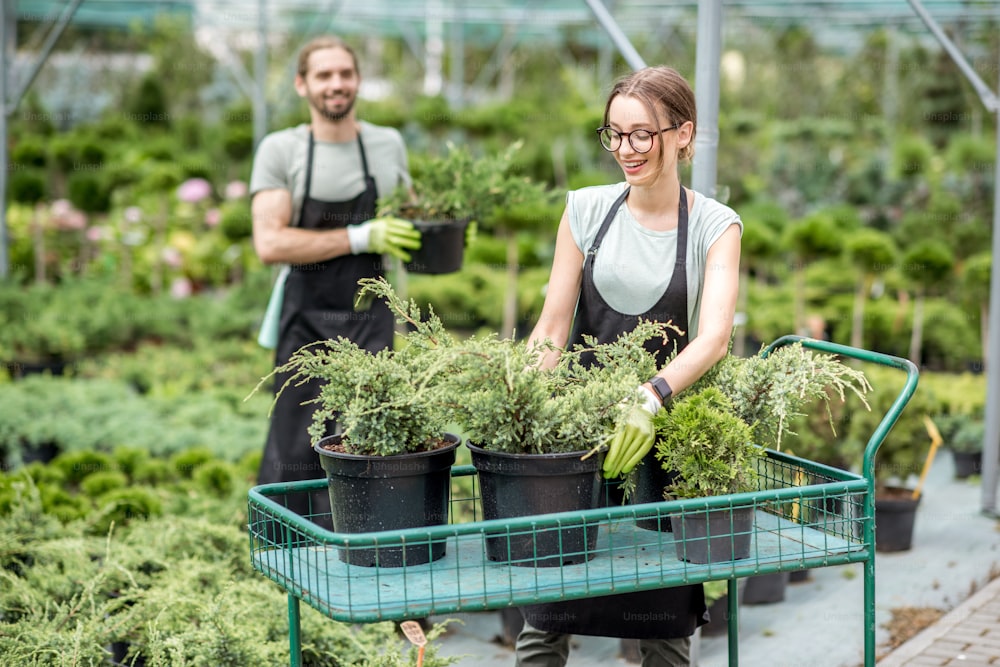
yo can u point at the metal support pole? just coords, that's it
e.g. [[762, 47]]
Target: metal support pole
[[619, 38], [258, 98], [707, 63], [991, 437], [7, 35]]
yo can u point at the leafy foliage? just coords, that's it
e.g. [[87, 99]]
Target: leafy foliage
[[768, 392], [166, 591], [460, 184], [388, 402], [708, 445], [713, 432], [506, 403]]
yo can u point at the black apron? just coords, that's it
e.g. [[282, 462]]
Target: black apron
[[318, 305], [665, 613]]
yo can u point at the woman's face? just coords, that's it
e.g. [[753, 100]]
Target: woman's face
[[628, 114]]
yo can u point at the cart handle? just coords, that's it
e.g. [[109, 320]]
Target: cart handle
[[892, 415]]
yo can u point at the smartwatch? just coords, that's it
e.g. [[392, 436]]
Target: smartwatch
[[661, 389]]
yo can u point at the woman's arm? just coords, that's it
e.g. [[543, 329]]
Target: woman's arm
[[561, 295], [715, 322]]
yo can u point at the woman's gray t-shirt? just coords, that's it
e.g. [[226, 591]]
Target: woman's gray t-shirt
[[635, 264], [280, 162]]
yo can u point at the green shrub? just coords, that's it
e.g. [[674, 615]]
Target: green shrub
[[187, 461], [100, 483], [154, 472], [217, 478], [121, 506], [80, 464]]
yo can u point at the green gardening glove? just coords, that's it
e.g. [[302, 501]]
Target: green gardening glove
[[393, 236], [471, 233], [633, 438]]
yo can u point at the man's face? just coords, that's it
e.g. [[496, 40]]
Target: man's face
[[331, 84]]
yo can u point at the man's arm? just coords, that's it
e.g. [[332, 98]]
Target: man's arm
[[276, 241]]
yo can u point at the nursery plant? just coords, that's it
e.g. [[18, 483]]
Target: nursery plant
[[389, 402], [455, 190], [713, 433], [506, 403]]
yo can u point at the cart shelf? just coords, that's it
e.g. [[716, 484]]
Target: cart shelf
[[805, 515]]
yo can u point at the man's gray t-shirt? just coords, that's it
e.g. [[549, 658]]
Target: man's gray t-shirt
[[280, 162], [635, 264]]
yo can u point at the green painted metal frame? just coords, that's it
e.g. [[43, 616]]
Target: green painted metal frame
[[794, 529]]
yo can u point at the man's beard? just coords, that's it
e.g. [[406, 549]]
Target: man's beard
[[334, 116]]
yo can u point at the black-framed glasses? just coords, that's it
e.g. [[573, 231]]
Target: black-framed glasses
[[640, 140]]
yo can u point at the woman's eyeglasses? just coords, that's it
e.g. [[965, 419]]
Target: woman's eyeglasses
[[640, 140]]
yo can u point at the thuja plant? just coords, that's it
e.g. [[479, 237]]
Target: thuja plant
[[769, 392], [707, 444], [505, 402], [713, 433], [388, 402]]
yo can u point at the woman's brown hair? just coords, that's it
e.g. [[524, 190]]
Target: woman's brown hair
[[662, 90]]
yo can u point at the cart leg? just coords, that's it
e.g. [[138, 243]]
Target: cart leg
[[294, 629], [733, 601], [870, 607]]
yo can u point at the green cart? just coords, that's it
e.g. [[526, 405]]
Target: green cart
[[804, 515]]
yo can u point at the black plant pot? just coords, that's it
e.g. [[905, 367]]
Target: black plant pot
[[967, 464], [515, 485], [377, 493], [651, 480], [766, 588], [895, 513], [714, 536], [442, 246]]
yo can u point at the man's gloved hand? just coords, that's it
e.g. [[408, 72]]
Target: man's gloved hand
[[634, 437], [471, 233], [384, 235]]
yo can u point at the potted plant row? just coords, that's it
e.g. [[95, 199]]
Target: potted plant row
[[380, 430]]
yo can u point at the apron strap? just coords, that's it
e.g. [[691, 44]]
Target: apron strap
[[309, 167]]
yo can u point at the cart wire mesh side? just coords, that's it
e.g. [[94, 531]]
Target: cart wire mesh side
[[803, 515]]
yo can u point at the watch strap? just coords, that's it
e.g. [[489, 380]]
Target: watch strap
[[661, 388]]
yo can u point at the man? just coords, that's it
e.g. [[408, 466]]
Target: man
[[314, 189]]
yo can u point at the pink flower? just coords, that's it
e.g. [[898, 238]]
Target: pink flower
[[194, 190], [236, 190], [172, 256], [181, 288], [61, 207], [212, 217], [132, 214], [94, 234]]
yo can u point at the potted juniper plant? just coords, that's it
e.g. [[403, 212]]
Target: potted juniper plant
[[452, 192], [538, 436], [389, 466], [713, 434]]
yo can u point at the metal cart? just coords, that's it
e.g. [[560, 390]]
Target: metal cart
[[805, 515]]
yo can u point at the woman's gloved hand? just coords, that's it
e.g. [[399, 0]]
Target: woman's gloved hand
[[634, 437], [394, 236]]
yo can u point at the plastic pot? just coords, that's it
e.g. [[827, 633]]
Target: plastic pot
[[516, 485], [442, 246], [376, 493]]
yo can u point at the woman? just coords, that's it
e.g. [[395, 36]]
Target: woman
[[645, 248]]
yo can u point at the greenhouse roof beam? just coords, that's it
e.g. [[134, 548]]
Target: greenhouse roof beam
[[985, 94], [619, 38]]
